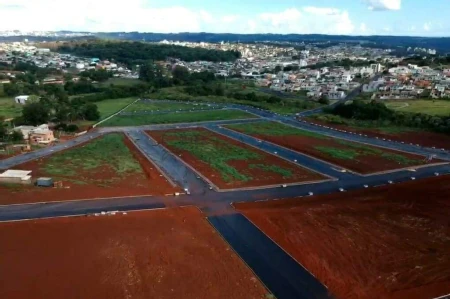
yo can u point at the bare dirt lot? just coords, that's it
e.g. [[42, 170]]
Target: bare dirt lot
[[357, 157], [231, 164], [386, 242], [163, 254], [110, 166]]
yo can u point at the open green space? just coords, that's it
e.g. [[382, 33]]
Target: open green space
[[288, 106], [107, 151], [108, 107], [272, 129], [153, 106], [380, 126], [431, 107], [8, 109], [181, 117], [218, 153]]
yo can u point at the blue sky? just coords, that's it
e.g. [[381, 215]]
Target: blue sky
[[354, 17]]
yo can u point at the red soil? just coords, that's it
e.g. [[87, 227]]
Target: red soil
[[363, 164], [150, 183], [259, 177], [171, 253], [387, 242], [423, 138]]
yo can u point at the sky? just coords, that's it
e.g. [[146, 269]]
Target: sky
[[349, 17]]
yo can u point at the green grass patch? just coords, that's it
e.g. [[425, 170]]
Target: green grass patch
[[181, 117], [273, 168], [291, 104], [355, 150], [108, 107], [273, 129], [382, 127], [9, 109], [108, 150], [213, 151], [431, 107], [343, 154], [153, 106]]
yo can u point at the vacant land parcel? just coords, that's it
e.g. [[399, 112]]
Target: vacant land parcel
[[171, 253], [387, 242], [228, 163], [357, 157], [400, 134], [155, 106], [182, 117], [105, 167]]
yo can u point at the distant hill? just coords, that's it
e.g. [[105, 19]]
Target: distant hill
[[441, 44]]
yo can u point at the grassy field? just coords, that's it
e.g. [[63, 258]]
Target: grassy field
[[432, 107], [108, 107], [218, 153], [120, 81], [107, 151], [153, 106], [139, 120], [382, 127], [8, 108], [289, 106]]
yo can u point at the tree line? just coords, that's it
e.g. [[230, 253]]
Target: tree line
[[376, 111], [132, 53]]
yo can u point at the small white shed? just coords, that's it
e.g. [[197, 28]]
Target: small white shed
[[21, 99]]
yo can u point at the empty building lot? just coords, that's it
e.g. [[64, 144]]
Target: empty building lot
[[108, 166], [172, 253], [357, 157], [385, 242], [230, 164]]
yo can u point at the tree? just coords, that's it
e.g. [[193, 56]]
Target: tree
[[324, 100], [277, 69], [35, 113], [90, 112], [180, 75]]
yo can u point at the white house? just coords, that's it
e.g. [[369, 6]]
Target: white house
[[336, 95], [21, 99]]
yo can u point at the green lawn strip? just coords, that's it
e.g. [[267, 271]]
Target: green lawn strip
[[108, 150], [273, 129], [273, 168], [213, 151], [182, 117]]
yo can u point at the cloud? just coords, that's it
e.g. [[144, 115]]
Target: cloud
[[427, 26], [380, 5], [139, 15]]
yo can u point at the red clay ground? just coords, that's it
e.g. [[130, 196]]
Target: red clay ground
[[163, 254], [149, 182], [387, 242], [370, 159], [423, 138], [258, 177]]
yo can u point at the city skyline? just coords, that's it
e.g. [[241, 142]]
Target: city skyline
[[347, 17]]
